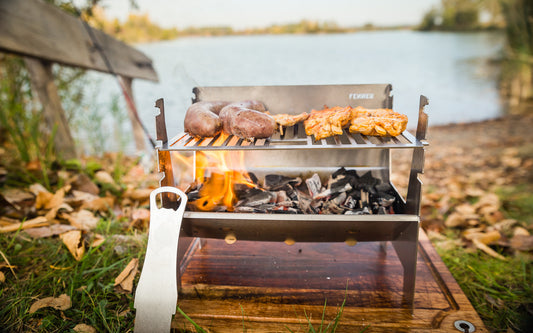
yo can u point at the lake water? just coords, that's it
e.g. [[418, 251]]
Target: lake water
[[454, 70]]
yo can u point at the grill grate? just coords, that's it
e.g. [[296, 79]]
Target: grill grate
[[293, 137]]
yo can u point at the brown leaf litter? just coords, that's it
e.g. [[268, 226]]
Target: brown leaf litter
[[60, 303], [124, 281]]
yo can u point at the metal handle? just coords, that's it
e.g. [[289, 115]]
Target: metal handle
[[157, 292]]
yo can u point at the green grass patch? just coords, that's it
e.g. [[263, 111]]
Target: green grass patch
[[517, 202], [500, 291], [45, 268]]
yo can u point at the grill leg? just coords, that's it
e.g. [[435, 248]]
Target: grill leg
[[406, 247]]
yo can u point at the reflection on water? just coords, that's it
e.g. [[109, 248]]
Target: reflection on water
[[454, 70]]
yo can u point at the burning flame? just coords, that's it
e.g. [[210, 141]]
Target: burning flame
[[217, 172]]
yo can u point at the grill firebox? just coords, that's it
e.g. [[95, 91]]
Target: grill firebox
[[294, 153]]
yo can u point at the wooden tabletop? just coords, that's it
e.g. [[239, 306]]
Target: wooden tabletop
[[273, 287]]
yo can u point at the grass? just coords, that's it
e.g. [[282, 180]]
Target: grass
[[500, 291], [44, 268]]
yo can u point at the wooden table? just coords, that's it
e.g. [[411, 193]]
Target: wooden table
[[274, 287]]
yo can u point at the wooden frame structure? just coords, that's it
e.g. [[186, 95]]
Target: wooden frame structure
[[43, 34]]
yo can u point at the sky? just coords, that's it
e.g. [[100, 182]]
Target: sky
[[241, 14]]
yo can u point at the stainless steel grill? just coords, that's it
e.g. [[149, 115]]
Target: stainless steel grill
[[295, 152]]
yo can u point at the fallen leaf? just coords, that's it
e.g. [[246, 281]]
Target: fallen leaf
[[137, 194], [53, 230], [60, 303], [52, 213], [519, 231], [83, 183], [487, 249], [522, 243], [47, 201], [2, 277], [83, 219], [105, 178], [455, 220], [15, 196], [72, 239], [96, 240], [37, 188], [33, 223], [124, 281], [84, 328], [99, 204]]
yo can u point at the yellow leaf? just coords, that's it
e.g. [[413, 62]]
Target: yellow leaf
[[72, 239]]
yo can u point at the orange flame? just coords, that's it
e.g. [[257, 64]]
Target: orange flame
[[218, 172]]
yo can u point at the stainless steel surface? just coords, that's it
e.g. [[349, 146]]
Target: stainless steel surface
[[295, 99], [294, 153], [157, 292], [301, 228], [414, 190], [293, 138]]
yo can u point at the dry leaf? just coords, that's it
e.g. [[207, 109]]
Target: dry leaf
[[2, 277], [72, 239], [519, 231], [105, 178], [124, 281], [52, 213], [37, 188], [96, 240], [54, 229], [522, 243], [84, 328], [455, 220], [487, 249], [39, 221], [137, 194], [99, 204], [15, 196], [83, 219], [60, 303], [47, 200], [465, 209], [490, 237], [83, 183]]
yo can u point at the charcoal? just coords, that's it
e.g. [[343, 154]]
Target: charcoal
[[385, 199], [364, 211], [259, 209], [332, 208], [281, 196], [285, 210], [367, 181], [242, 190], [292, 194], [382, 210], [193, 195], [333, 192], [276, 182], [339, 199], [314, 185], [343, 172], [255, 197], [349, 203], [253, 178], [384, 188]]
